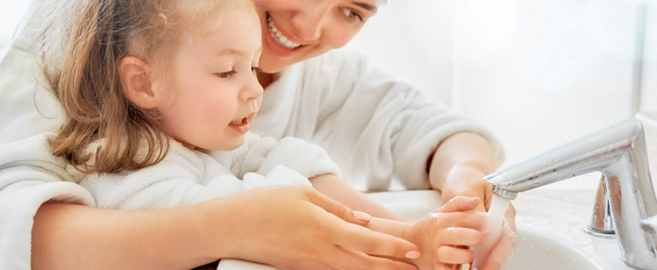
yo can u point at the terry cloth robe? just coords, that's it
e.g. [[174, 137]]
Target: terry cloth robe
[[375, 126], [187, 177]]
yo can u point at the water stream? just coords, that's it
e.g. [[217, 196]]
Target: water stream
[[491, 229]]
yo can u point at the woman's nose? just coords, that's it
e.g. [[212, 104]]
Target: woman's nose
[[309, 21]]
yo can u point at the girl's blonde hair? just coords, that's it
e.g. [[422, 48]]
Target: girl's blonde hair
[[88, 83]]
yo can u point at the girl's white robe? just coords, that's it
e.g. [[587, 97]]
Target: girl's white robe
[[187, 177]]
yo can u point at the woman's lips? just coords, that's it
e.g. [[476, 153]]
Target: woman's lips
[[278, 36], [273, 38]]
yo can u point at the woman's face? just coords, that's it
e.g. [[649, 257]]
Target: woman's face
[[296, 30]]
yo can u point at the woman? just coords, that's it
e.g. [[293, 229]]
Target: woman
[[452, 159]]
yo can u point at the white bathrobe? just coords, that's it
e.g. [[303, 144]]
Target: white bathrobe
[[187, 177], [373, 125]]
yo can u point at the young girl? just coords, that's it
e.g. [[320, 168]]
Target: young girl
[[159, 96]]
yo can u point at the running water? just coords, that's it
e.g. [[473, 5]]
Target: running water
[[491, 229]]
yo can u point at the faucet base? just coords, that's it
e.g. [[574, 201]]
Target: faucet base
[[600, 233]]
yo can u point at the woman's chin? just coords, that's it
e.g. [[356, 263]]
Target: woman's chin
[[272, 63]]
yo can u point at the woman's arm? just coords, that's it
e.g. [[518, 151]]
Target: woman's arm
[[293, 229], [457, 169], [458, 166], [67, 236]]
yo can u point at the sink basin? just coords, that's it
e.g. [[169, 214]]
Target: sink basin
[[535, 251], [550, 233]]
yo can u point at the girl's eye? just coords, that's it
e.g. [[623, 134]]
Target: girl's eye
[[226, 75], [352, 15]]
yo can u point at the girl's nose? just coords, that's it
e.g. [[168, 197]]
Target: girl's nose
[[252, 90], [309, 21]]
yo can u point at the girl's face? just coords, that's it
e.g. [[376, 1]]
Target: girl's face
[[212, 93], [296, 30]]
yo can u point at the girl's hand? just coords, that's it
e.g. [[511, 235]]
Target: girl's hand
[[445, 234], [296, 227]]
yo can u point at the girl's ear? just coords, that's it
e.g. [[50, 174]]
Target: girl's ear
[[135, 73]]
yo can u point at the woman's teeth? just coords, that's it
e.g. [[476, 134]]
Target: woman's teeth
[[279, 37]]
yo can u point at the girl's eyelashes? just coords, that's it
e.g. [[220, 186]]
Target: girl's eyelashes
[[226, 75], [353, 15]]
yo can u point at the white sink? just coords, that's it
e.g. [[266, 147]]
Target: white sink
[[550, 233]]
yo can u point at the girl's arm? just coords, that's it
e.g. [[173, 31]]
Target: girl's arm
[[69, 236], [333, 187]]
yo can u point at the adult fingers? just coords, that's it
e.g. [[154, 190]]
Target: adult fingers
[[459, 204], [501, 252], [356, 260], [453, 255], [360, 239], [340, 210]]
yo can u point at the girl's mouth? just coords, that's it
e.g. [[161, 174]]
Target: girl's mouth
[[241, 125], [278, 36], [239, 122]]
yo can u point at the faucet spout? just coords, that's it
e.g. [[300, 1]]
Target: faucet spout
[[619, 153]]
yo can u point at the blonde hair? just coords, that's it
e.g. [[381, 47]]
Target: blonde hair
[[88, 83]]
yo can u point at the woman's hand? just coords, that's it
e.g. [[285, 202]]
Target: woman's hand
[[500, 253], [445, 234], [296, 227]]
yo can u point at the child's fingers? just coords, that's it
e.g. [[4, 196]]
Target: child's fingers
[[459, 204], [453, 255], [472, 220], [460, 237]]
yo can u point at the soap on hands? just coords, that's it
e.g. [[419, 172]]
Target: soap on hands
[[491, 230]]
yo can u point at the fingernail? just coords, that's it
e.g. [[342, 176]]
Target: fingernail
[[413, 254], [362, 216]]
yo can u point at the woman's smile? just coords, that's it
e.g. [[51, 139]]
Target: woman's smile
[[296, 30], [279, 41], [279, 37]]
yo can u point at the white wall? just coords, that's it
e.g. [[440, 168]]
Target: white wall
[[539, 73], [11, 11], [649, 80]]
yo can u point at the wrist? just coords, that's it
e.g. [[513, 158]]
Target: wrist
[[216, 234], [465, 176]]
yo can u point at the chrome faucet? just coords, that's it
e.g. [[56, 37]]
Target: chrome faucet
[[625, 191]]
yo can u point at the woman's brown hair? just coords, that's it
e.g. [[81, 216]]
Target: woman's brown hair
[[88, 83]]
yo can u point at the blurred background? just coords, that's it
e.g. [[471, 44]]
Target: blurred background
[[539, 73]]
